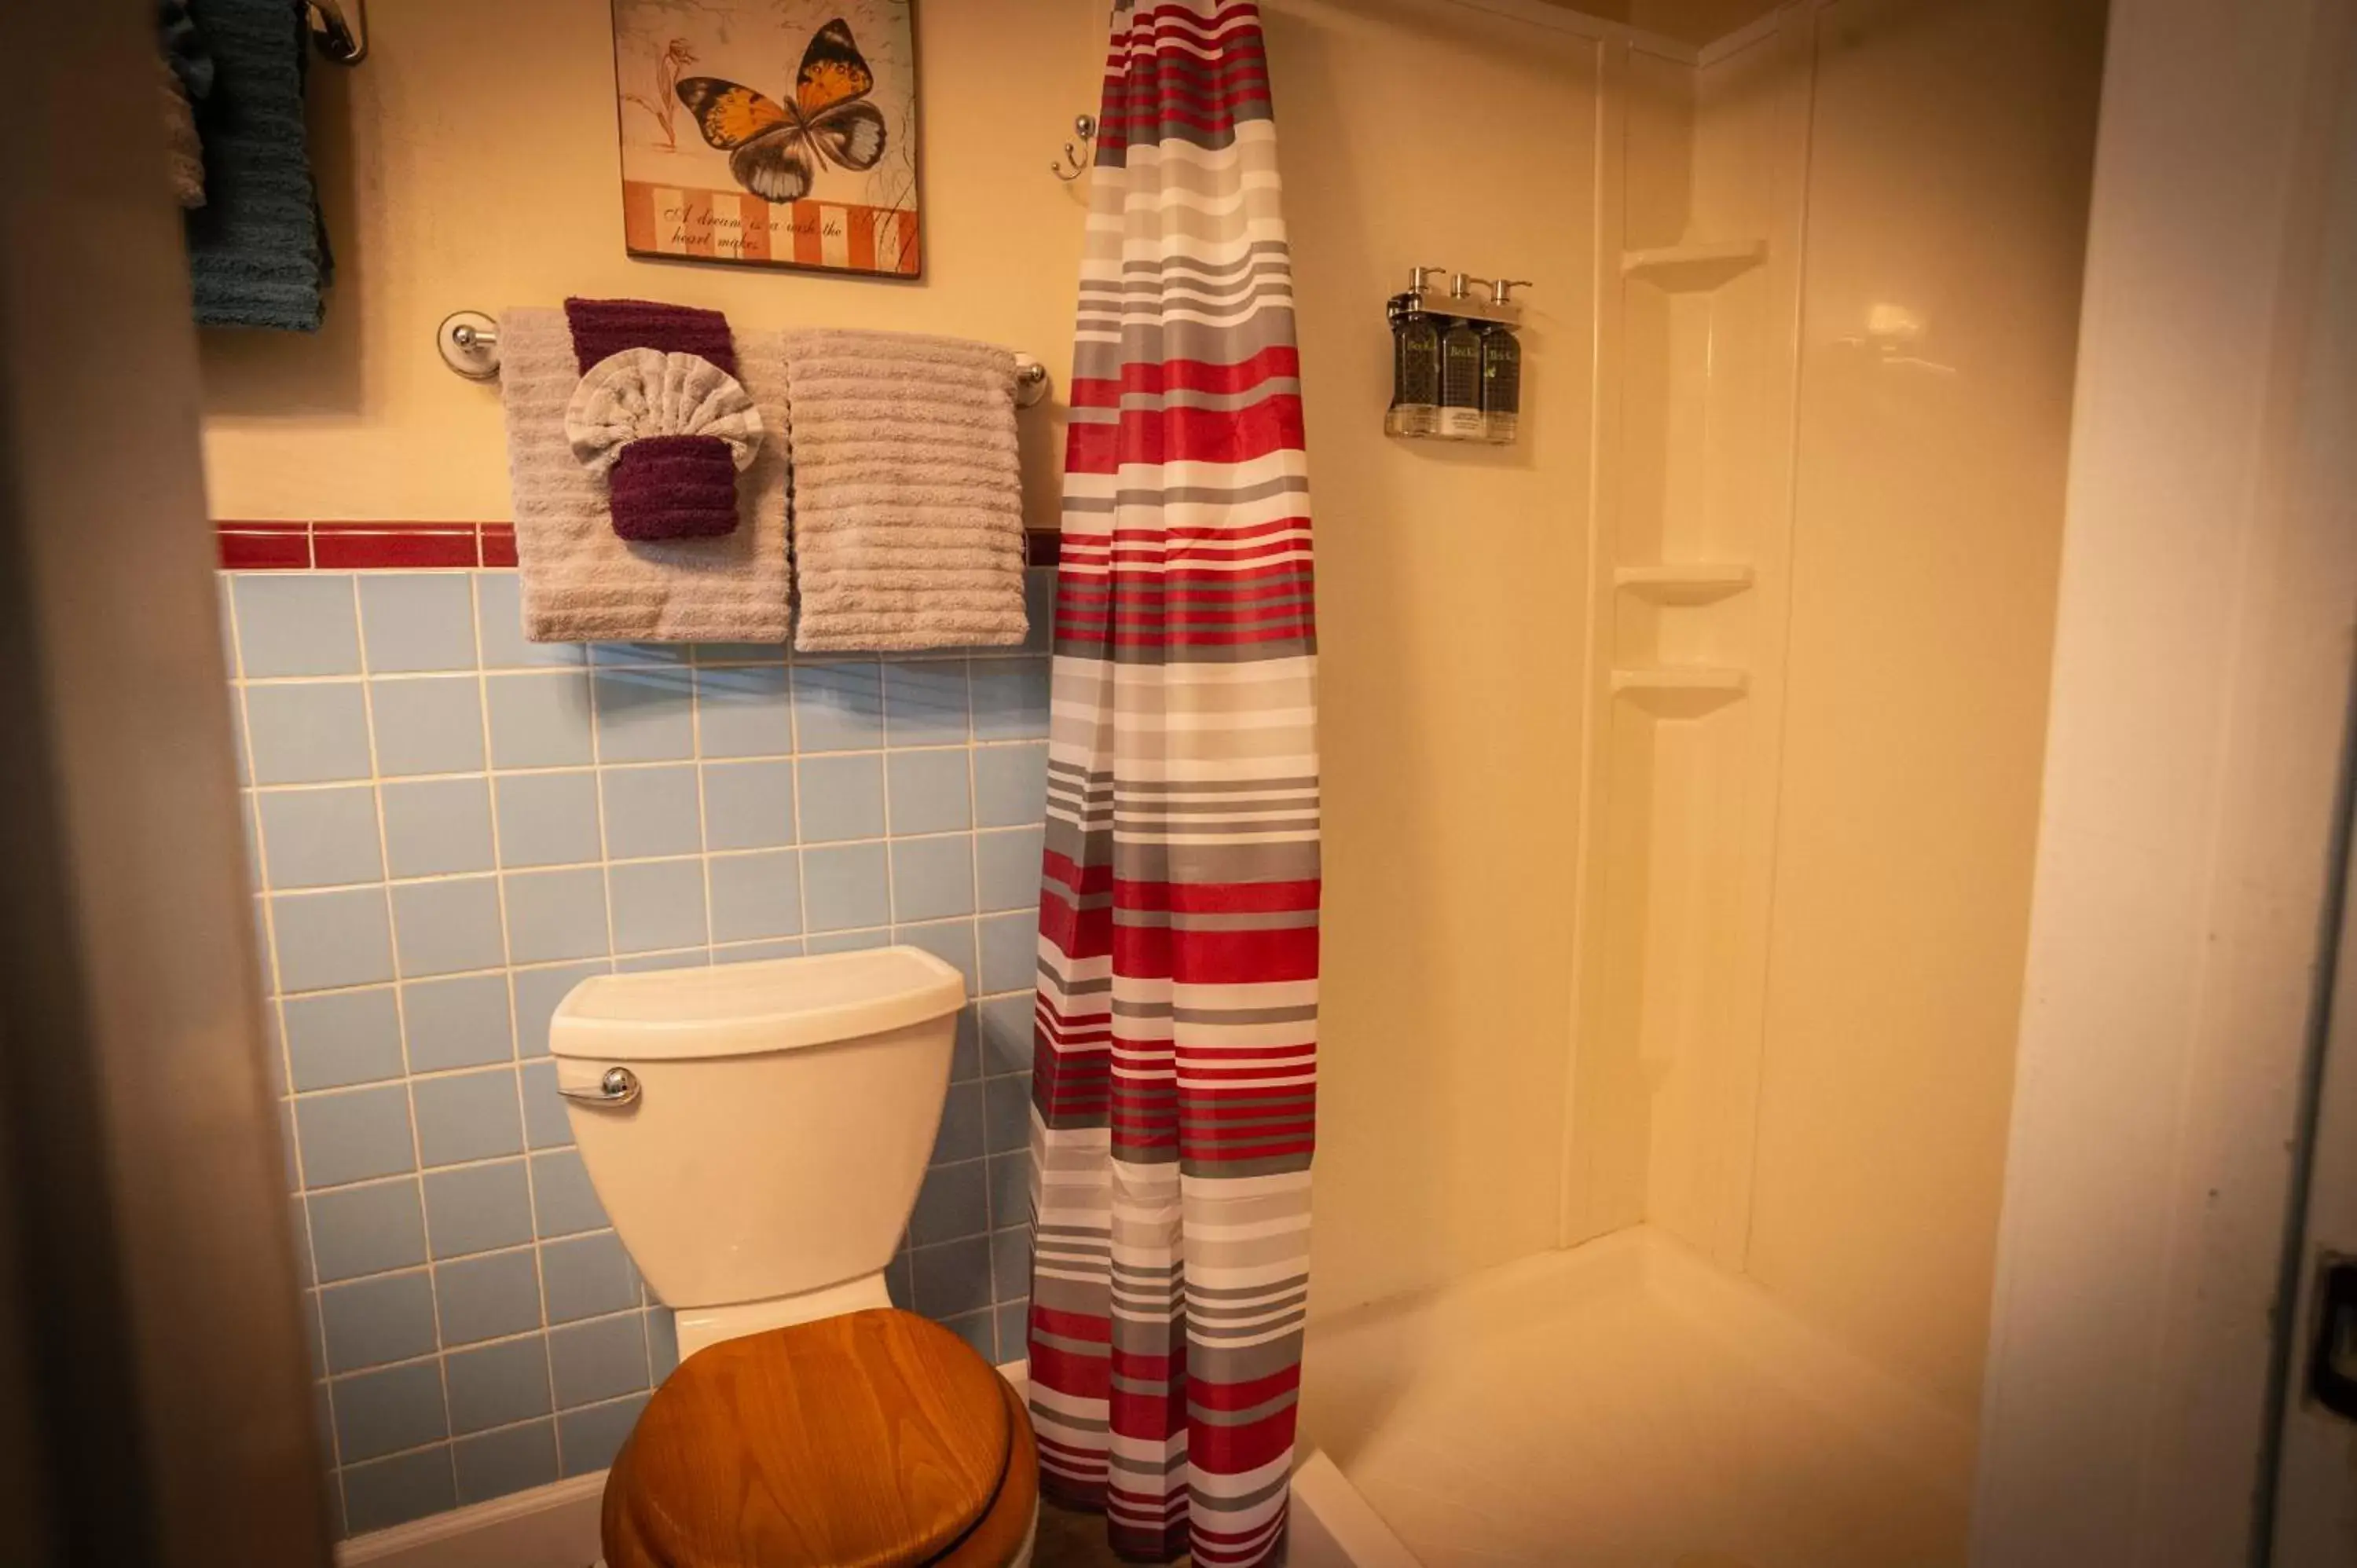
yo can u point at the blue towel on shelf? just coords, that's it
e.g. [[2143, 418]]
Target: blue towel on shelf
[[257, 251]]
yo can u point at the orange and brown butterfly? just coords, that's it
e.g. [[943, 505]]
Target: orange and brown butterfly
[[770, 146]]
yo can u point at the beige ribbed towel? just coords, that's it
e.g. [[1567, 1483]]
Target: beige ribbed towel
[[582, 583], [907, 496]]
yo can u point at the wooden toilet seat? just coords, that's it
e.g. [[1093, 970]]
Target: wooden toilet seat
[[871, 1440]]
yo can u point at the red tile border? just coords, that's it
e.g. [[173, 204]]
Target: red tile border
[[263, 546], [391, 546], [373, 546]]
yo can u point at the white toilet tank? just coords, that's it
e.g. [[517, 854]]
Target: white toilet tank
[[782, 1115]]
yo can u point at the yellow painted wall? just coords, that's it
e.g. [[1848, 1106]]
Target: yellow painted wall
[[470, 163], [1948, 178]]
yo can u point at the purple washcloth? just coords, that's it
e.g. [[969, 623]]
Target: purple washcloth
[[605, 327], [661, 486], [673, 487]]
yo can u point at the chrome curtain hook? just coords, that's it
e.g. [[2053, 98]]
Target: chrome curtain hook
[[1086, 127]]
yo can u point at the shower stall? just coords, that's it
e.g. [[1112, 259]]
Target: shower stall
[[1683, 762]]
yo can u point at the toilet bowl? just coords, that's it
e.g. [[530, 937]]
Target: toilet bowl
[[758, 1134]]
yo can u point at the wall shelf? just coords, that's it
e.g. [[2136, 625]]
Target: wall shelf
[[1683, 269], [1681, 692], [1695, 583]]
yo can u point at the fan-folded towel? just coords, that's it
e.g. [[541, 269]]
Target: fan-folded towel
[[582, 582]]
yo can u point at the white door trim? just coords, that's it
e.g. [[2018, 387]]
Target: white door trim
[[2200, 687]]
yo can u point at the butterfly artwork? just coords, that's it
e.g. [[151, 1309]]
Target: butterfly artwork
[[773, 148], [817, 173]]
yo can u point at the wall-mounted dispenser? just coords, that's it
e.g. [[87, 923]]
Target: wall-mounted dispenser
[[1415, 362], [1457, 366]]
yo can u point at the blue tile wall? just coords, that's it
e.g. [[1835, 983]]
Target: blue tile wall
[[321, 838], [509, 1459], [497, 1385], [396, 1491], [314, 733], [424, 725], [746, 805], [450, 828], [374, 1322], [842, 797], [417, 620], [303, 625], [436, 827], [335, 1038], [460, 1022], [652, 811], [547, 819]]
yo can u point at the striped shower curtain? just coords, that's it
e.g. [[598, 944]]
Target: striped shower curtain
[[1175, 1039]]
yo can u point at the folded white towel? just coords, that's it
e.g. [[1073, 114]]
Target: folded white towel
[[583, 583], [907, 497]]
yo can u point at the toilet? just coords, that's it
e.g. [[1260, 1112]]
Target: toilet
[[757, 1132]]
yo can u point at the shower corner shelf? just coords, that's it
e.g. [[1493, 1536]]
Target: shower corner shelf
[[1682, 691], [1683, 269], [1698, 583]]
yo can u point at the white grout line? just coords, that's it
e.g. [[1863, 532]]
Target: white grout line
[[400, 1011], [794, 779], [296, 786], [974, 1005], [533, 868], [275, 1001], [544, 965], [884, 727], [552, 1416], [515, 1034], [703, 818], [711, 949]]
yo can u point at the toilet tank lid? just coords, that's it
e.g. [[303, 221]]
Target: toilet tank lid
[[740, 1009]]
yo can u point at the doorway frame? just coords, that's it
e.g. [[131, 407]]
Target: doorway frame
[[2200, 693]]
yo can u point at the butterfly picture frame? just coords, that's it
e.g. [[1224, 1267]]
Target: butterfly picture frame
[[770, 132]]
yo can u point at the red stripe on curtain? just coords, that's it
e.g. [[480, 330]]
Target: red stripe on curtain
[[1187, 435], [1186, 375], [1174, 1034]]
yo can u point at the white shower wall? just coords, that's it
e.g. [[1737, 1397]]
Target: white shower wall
[[1833, 261], [1834, 414], [1949, 151]]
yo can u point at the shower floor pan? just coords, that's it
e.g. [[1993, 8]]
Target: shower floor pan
[[1624, 1404]]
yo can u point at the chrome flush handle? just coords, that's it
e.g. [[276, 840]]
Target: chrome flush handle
[[617, 1089]]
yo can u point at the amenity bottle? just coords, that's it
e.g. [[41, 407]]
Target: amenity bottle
[[1460, 372], [1415, 362], [1502, 370]]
